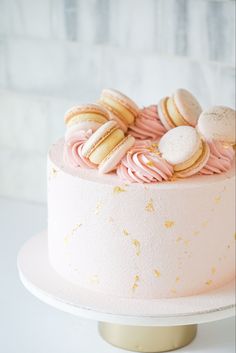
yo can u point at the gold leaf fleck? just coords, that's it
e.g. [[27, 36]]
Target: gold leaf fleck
[[217, 199], [150, 163], [235, 236], [157, 273], [213, 270], [136, 280], [209, 282], [136, 243], [178, 239], [196, 232], [204, 224], [149, 206], [94, 279], [118, 190], [169, 224], [98, 208], [177, 279], [186, 242], [125, 232], [173, 291]]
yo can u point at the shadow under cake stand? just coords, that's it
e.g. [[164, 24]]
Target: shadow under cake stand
[[137, 325]]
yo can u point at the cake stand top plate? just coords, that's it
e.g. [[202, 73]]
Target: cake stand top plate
[[43, 282]]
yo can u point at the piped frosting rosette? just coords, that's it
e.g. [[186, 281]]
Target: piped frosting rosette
[[74, 143], [143, 164], [220, 159], [147, 124]]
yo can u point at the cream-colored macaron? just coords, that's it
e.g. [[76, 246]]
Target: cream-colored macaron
[[102, 142], [182, 108], [185, 150], [122, 109], [218, 123]]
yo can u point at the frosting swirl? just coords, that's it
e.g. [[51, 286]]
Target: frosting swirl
[[143, 164], [74, 143], [147, 124], [220, 160]]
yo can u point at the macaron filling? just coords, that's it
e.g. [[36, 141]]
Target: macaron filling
[[87, 117], [191, 160], [174, 114], [103, 148], [197, 165]]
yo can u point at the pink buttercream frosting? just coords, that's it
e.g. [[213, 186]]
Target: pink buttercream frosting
[[73, 149], [143, 164], [147, 125], [220, 160]]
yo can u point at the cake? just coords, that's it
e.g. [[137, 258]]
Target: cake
[[159, 238]]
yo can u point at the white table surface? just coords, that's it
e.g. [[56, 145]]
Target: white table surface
[[27, 325]]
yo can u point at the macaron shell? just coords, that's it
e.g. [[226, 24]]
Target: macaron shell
[[198, 165], [187, 105], [86, 109], [175, 115], [81, 126], [163, 114], [106, 146], [115, 156], [218, 123], [119, 121], [123, 99], [179, 144], [98, 137]]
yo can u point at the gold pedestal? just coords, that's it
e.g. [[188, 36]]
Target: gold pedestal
[[147, 339]]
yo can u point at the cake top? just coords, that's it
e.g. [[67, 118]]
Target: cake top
[[173, 139]]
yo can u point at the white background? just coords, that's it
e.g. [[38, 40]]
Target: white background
[[29, 326]]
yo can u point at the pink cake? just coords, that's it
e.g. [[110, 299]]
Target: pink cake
[[142, 241], [138, 231]]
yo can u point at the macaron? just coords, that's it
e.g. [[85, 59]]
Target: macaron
[[218, 123], [102, 142], [182, 108], [87, 116], [183, 148], [122, 108], [115, 156]]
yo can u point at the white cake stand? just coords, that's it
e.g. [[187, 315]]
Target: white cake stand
[[137, 325]]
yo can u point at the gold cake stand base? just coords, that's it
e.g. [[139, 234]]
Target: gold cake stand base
[[147, 339]]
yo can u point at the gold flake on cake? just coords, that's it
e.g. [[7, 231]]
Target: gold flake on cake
[[173, 291], [177, 279], [169, 224], [150, 164], [213, 270], [150, 206], [186, 242], [137, 245], [179, 239], [125, 232], [135, 284], [53, 173], [205, 224], [98, 208], [118, 190], [235, 236], [217, 199], [209, 282], [196, 232], [153, 148], [71, 233], [94, 279], [157, 273]]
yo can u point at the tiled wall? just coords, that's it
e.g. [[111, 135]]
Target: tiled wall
[[55, 53]]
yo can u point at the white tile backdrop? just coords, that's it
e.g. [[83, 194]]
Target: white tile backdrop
[[56, 53]]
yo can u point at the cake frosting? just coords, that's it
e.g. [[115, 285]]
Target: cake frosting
[[157, 240]]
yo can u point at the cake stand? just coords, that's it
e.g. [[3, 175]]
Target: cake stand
[[132, 324]]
